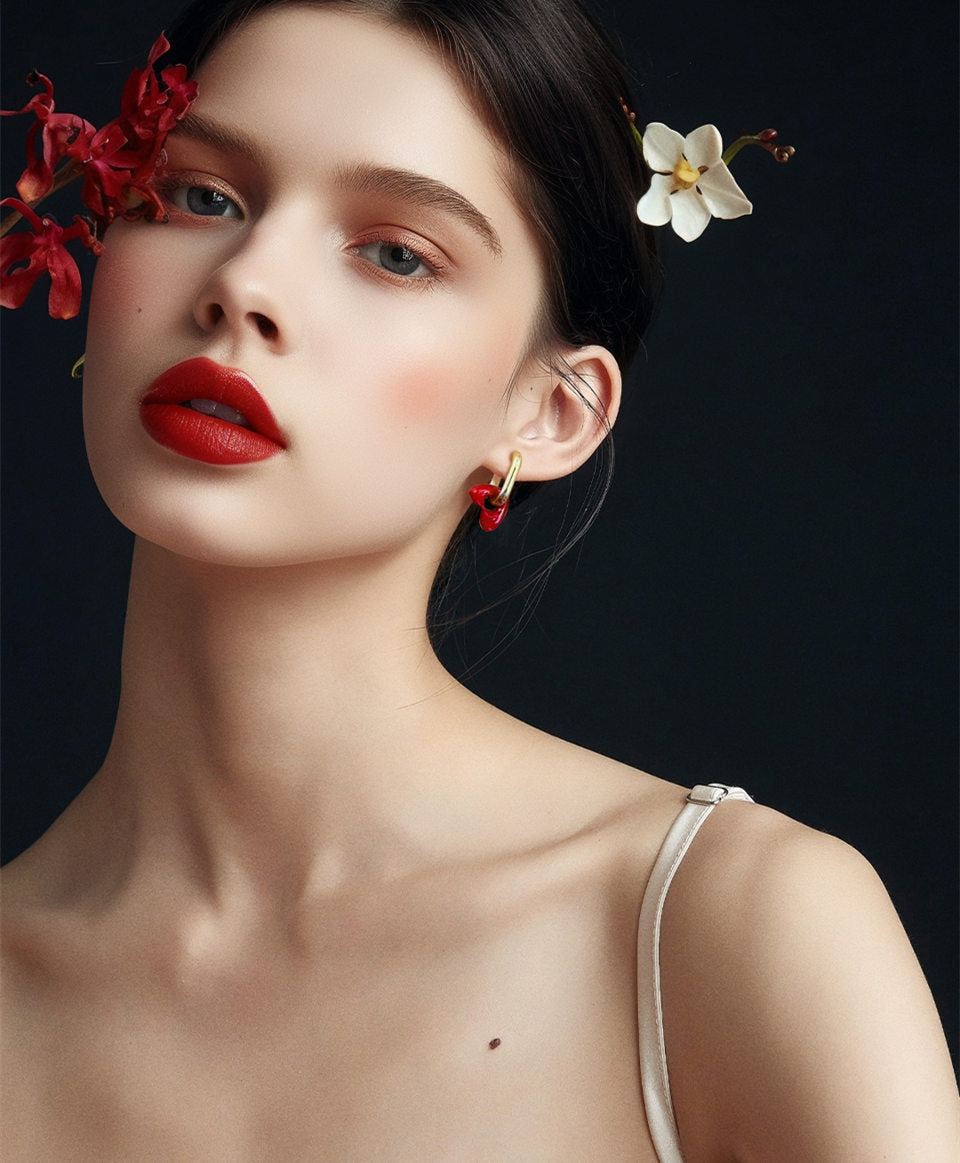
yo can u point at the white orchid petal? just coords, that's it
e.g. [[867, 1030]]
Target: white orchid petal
[[703, 147], [654, 207], [662, 147], [690, 214], [723, 196]]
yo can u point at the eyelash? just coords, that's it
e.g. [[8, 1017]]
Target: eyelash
[[433, 264], [170, 185]]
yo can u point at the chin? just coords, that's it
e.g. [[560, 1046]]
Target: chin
[[216, 525]]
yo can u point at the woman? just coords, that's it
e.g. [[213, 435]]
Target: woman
[[321, 901]]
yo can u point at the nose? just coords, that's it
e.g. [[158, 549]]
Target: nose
[[212, 312], [250, 294]]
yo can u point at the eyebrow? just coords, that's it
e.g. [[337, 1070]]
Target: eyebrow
[[220, 137], [409, 186], [364, 177]]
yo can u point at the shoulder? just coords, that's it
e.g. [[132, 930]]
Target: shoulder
[[799, 1025], [563, 793], [757, 882]]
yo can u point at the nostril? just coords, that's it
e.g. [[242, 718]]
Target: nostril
[[266, 327]]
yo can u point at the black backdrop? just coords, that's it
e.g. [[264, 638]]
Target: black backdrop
[[768, 596]]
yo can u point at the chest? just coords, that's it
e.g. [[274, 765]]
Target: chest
[[442, 1035]]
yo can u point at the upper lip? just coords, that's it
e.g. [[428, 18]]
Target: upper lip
[[203, 378]]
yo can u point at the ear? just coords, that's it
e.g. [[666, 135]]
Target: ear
[[558, 414]]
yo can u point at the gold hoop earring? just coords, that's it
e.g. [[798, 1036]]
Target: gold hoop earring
[[494, 498], [76, 372]]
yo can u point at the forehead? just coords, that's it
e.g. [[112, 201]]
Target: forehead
[[324, 84]]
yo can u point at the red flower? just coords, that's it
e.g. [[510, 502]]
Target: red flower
[[43, 250], [61, 135], [150, 106], [117, 179], [119, 161], [119, 166], [125, 153]]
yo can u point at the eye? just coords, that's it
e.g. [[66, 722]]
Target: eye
[[396, 259], [202, 201]]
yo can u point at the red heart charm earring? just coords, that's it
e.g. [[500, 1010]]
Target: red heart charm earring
[[494, 498]]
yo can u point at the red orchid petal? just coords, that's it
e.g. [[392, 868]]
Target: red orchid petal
[[108, 140], [65, 286], [105, 179], [38, 101], [160, 46], [70, 135], [37, 178], [92, 193], [81, 232], [64, 134], [16, 285], [17, 248], [142, 82], [173, 76], [43, 249], [24, 210], [142, 202]]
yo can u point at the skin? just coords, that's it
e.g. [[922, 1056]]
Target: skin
[[315, 877]]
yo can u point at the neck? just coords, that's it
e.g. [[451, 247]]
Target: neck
[[291, 723]]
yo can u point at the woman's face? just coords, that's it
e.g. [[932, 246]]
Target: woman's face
[[341, 230]]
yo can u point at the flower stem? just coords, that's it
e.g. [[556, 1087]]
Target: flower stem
[[766, 140], [736, 146], [65, 175]]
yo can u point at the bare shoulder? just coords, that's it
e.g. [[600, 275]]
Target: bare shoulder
[[778, 887], [562, 787], [799, 1024]]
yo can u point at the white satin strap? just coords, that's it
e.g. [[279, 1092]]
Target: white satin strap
[[653, 1056]]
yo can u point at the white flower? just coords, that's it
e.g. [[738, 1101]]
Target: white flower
[[691, 181]]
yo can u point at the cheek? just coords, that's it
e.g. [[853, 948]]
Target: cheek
[[460, 371], [127, 314], [420, 395], [119, 309], [127, 297], [119, 278]]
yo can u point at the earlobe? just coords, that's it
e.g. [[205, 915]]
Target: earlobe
[[559, 415]]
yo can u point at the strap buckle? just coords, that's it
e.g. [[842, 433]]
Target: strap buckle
[[708, 793]]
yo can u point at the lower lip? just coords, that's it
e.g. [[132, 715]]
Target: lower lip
[[204, 438]]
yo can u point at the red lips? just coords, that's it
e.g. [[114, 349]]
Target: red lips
[[167, 418]]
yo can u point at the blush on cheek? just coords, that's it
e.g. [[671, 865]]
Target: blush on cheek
[[466, 390], [418, 395]]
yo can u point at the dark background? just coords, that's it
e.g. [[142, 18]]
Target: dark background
[[768, 597]]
